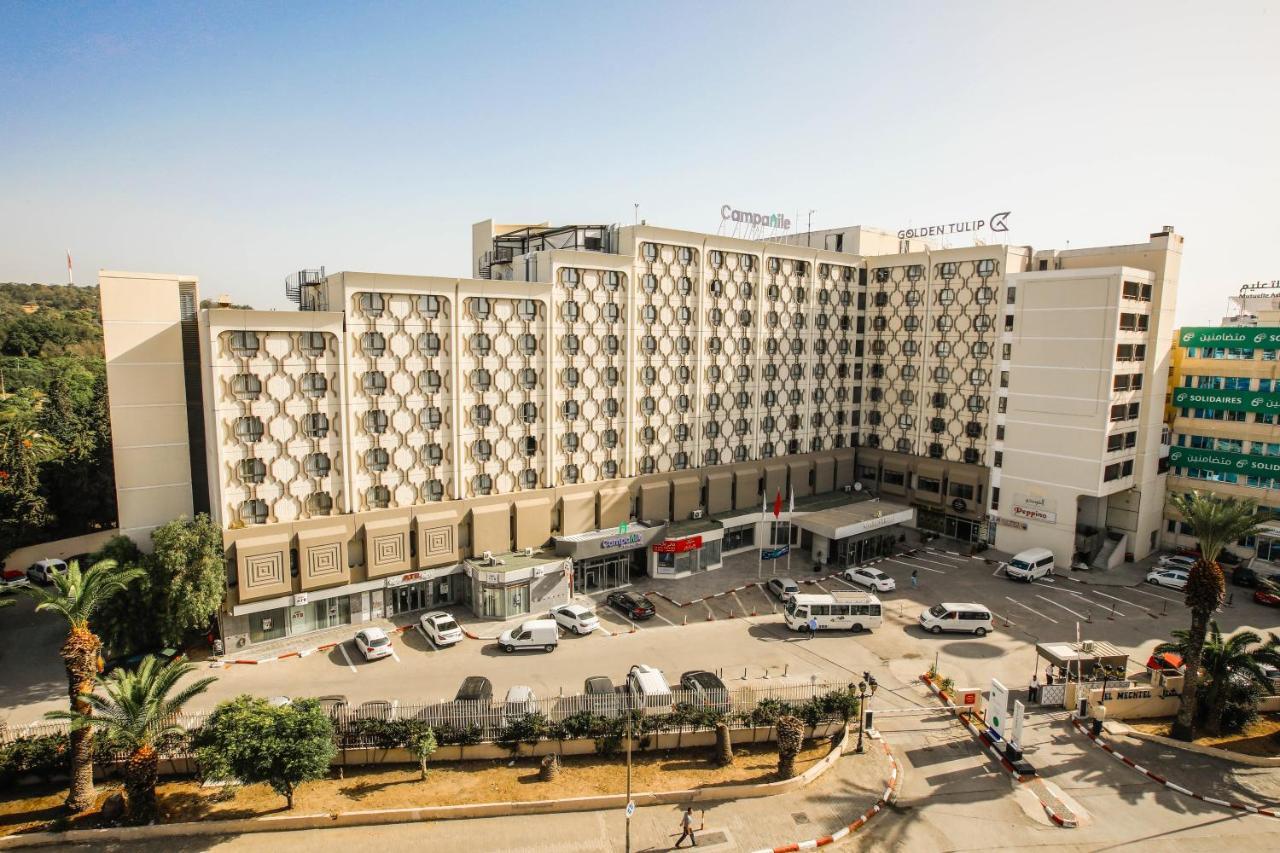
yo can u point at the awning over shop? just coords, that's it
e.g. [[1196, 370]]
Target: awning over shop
[[852, 519], [612, 540]]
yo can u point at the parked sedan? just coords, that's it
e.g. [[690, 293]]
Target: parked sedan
[[782, 588], [1270, 599], [576, 618], [633, 605], [13, 579], [870, 578], [440, 628], [1177, 561], [373, 643], [1172, 578]]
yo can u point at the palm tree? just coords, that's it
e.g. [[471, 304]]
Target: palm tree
[[1237, 658], [74, 597], [1214, 521], [790, 742], [137, 712]]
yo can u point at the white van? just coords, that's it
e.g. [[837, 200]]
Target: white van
[[534, 634], [969, 618], [648, 690], [1029, 564], [42, 571]]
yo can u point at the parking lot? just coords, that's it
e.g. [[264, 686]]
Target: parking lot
[[720, 621]]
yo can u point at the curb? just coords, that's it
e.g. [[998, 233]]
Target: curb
[[302, 653], [1106, 747], [890, 792], [1066, 821]]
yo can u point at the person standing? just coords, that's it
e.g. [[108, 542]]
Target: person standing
[[915, 578], [686, 828], [813, 627], [1033, 690]]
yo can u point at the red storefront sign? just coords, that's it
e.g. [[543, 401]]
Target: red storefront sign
[[678, 546]]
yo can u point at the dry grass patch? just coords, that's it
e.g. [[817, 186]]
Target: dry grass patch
[[1260, 738], [448, 783]]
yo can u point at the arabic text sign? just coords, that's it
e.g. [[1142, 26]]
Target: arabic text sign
[[1221, 460], [1258, 337]]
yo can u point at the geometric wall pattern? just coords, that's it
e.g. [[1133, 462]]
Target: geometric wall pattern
[[438, 541], [264, 570]]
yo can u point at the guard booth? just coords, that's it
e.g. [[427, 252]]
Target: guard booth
[[1092, 662]]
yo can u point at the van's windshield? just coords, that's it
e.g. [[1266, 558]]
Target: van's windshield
[[1019, 564], [937, 611]]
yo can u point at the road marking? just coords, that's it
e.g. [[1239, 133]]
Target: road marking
[[1033, 610], [741, 606], [935, 562], [395, 657], [1121, 600], [946, 556], [914, 566], [999, 571], [1157, 595], [427, 638], [1063, 606], [342, 647]]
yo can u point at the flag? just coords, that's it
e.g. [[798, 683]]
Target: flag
[[777, 504], [792, 507], [71, 279]]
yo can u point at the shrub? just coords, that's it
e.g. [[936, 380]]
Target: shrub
[[45, 756], [527, 729]]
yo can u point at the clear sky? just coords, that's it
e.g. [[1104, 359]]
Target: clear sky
[[240, 142]]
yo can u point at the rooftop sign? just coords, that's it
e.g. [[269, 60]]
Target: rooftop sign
[[997, 222], [765, 220], [1243, 337]]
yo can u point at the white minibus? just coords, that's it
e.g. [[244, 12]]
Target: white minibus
[[844, 610]]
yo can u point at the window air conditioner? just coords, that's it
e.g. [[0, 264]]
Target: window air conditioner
[[697, 513]]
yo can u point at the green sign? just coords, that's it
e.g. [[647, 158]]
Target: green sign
[[1236, 401], [1221, 460], [1231, 337]]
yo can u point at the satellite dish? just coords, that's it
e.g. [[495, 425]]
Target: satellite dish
[[857, 487]]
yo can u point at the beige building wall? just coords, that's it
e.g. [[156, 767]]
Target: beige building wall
[[142, 333]]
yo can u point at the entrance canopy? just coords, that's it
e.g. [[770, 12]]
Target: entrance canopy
[[1087, 656], [853, 519], [611, 540]]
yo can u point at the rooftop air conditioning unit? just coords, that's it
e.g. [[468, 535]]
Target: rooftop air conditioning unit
[[697, 513], [528, 552], [487, 556], [1086, 646]]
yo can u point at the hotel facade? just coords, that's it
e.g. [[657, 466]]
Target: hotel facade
[[599, 402]]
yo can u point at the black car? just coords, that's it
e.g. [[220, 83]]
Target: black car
[[475, 688], [707, 689], [602, 697], [633, 605], [1245, 576]]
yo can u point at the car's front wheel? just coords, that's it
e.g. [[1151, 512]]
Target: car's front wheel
[[936, 629], [981, 632], [508, 649]]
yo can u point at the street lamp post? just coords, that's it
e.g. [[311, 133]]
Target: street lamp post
[[862, 712]]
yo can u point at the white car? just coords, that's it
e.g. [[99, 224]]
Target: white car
[[1172, 578], [870, 578], [42, 571], [576, 618], [1177, 561], [373, 643], [783, 589], [440, 628]]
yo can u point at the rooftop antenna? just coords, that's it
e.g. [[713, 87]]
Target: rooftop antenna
[[809, 234], [637, 207]]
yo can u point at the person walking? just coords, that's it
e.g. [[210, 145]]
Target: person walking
[[915, 578], [1033, 690], [813, 627], [686, 828]]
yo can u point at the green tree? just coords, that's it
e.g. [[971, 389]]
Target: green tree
[[24, 447], [125, 620], [139, 710], [1214, 521], [188, 576], [248, 740], [1227, 662], [80, 484], [423, 745], [75, 596]]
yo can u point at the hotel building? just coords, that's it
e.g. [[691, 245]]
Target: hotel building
[[597, 402], [1224, 397]]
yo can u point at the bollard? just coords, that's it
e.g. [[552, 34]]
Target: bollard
[[1164, 608], [766, 673], [744, 673], [1231, 600], [785, 669], [685, 620], [1088, 616], [1113, 613]]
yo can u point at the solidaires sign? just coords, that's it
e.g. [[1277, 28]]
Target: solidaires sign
[[1260, 337], [1221, 460], [1236, 401]]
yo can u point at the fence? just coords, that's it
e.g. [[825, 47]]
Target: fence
[[484, 721]]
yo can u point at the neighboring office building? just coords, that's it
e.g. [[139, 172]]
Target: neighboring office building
[[607, 401], [1223, 406]]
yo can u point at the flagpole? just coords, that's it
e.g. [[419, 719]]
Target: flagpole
[[764, 502], [71, 276], [791, 508]]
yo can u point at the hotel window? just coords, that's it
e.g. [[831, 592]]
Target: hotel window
[[976, 403], [482, 449], [683, 345], [937, 425], [973, 429], [610, 438], [571, 344], [529, 412], [315, 425], [911, 322], [909, 348], [1006, 351], [374, 344], [801, 268], [434, 490], [379, 497], [680, 460], [650, 251], [944, 323], [947, 270], [982, 323], [254, 511], [906, 422], [429, 306], [375, 382], [648, 405], [797, 320], [528, 378], [481, 415], [482, 484], [569, 277], [429, 344], [908, 371], [647, 465], [481, 344], [611, 344], [568, 310], [610, 407], [744, 317], [375, 459], [748, 262], [246, 386], [528, 344], [1002, 405], [481, 379], [313, 344], [935, 450], [882, 275], [942, 349], [527, 309], [938, 399], [716, 256], [684, 285], [648, 343], [612, 280], [998, 460], [570, 441], [249, 429], [977, 376], [244, 344], [986, 267], [716, 288], [570, 409], [571, 377], [946, 296], [480, 307], [981, 349], [881, 299], [372, 304], [432, 454], [1008, 322], [985, 295], [319, 503], [253, 470], [941, 374], [649, 282]]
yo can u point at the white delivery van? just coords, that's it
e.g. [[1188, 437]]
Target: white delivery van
[[968, 618], [1029, 564], [648, 691], [534, 634]]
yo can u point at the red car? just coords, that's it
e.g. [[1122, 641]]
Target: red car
[[1270, 599]]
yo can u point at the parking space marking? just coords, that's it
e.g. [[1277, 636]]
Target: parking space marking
[[914, 566], [1063, 606], [395, 657], [944, 555], [342, 647], [1033, 610], [999, 570], [1157, 595], [934, 562], [741, 607], [1121, 600], [433, 646]]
